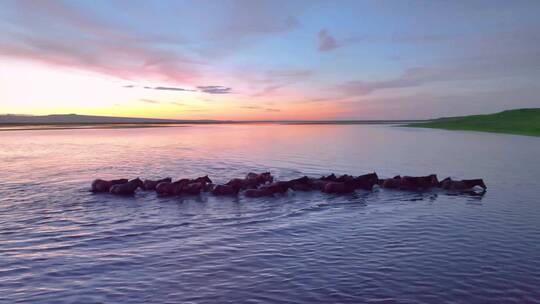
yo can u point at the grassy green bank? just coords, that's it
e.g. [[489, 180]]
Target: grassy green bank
[[520, 121]]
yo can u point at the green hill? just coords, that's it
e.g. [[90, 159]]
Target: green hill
[[520, 121]]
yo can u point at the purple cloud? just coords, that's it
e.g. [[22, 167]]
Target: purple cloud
[[172, 89], [215, 89], [326, 41], [411, 78], [248, 21], [462, 69]]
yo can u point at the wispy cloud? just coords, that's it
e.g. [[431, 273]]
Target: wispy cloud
[[132, 86], [67, 36], [152, 101], [215, 89], [498, 64], [271, 81], [172, 89], [212, 89], [411, 78], [249, 21], [149, 101], [261, 108]]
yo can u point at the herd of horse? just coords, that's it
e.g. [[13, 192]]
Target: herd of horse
[[263, 184]]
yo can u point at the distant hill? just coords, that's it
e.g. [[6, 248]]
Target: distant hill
[[520, 121], [73, 119], [87, 119]]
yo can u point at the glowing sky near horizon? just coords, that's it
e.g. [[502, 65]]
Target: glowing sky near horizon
[[254, 59]]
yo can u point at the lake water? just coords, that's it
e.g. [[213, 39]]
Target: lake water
[[61, 244]]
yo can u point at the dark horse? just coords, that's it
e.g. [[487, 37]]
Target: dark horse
[[269, 189], [251, 181], [151, 184], [100, 185], [220, 190], [260, 178], [347, 183], [462, 185], [411, 183], [168, 188], [417, 183], [185, 186], [127, 188], [303, 183]]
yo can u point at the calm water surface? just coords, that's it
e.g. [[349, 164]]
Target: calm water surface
[[61, 244]]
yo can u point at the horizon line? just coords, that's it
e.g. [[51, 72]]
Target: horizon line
[[175, 120]]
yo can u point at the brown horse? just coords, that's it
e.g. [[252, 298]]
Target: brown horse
[[203, 179], [365, 182], [392, 183], [418, 183], [238, 183], [268, 190], [276, 187], [100, 185], [220, 190], [411, 183], [126, 188], [251, 181], [258, 192], [168, 188], [338, 187], [151, 184], [351, 183], [303, 183], [319, 184], [332, 178], [462, 185], [261, 178], [192, 188], [184, 186], [383, 180], [195, 186], [205, 182]]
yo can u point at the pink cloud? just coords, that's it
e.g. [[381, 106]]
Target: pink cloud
[[66, 37]]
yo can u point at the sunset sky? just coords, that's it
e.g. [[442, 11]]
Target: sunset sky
[[269, 59]]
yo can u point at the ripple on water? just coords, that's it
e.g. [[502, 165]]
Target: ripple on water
[[62, 244]]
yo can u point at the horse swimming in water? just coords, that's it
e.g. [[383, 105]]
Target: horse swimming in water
[[263, 184], [127, 188], [149, 184], [462, 185], [101, 185]]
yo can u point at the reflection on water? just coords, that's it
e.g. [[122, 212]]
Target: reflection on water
[[61, 243]]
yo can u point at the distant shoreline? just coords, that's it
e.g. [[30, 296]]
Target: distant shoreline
[[73, 126], [77, 126], [520, 122]]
